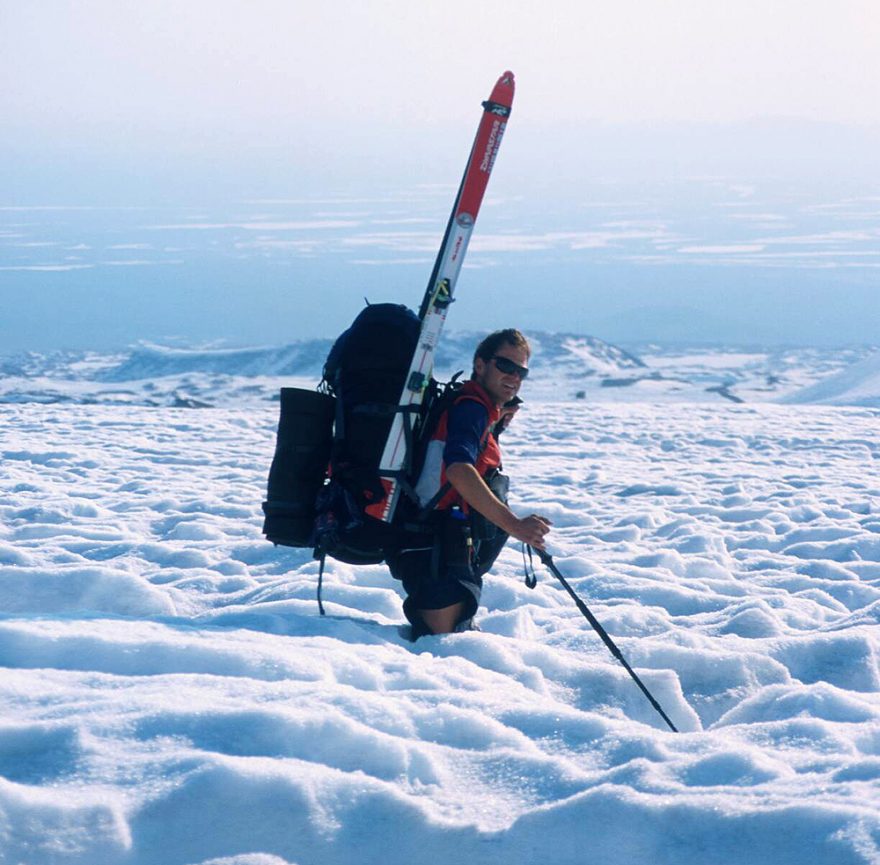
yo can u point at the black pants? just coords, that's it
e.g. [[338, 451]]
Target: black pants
[[432, 581]]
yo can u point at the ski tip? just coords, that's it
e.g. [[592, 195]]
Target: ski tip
[[502, 93]]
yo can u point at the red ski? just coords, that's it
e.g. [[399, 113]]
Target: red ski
[[441, 286]]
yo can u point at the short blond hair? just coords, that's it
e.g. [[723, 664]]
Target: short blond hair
[[488, 348]]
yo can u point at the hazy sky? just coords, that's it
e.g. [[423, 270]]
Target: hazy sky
[[217, 104], [119, 68]]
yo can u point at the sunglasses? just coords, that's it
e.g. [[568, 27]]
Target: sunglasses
[[508, 367]]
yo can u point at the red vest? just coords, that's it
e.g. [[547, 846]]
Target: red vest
[[433, 475]]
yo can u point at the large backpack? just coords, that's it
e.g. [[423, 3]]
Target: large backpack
[[325, 471]]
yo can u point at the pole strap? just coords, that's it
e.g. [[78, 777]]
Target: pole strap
[[529, 568]]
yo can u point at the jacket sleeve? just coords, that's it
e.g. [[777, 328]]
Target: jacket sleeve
[[466, 427]]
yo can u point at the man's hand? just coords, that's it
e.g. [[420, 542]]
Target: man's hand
[[508, 410], [531, 530]]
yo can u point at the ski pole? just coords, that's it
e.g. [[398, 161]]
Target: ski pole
[[547, 560]]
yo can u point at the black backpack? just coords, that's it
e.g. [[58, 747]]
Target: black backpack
[[325, 470]]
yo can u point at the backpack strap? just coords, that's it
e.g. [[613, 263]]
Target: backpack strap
[[339, 420], [321, 580], [432, 503]]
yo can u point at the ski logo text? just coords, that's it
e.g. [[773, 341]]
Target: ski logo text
[[492, 145]]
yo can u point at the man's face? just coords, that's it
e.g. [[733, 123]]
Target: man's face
[[500, 385]]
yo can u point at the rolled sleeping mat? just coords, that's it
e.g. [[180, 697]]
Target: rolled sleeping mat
[[299, 467]]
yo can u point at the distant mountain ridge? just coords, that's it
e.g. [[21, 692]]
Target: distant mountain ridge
[[156, 361], [565, 366], [586, 355], [857, 384]]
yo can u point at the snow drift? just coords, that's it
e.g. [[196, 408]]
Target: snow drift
[[858, 384], [171, 696]]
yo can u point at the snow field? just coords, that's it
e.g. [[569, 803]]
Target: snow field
[[171, 695]]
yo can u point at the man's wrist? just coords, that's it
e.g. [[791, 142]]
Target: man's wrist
[[508, 520]]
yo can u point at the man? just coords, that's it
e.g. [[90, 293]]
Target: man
[[442, 574]]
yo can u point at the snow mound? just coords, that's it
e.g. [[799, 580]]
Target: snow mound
[[171, 695], [857, 385]]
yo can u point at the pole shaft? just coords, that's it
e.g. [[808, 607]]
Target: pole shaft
[[547, 559]]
